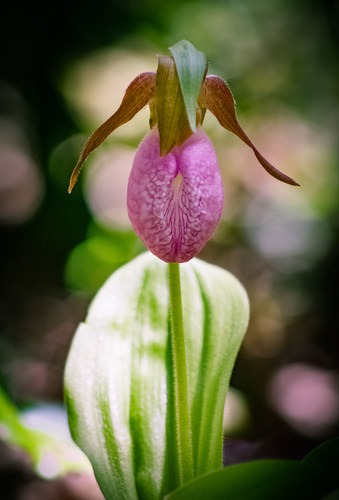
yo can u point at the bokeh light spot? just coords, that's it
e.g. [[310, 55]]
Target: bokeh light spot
[[106, 186], [307, 397], [21, 186], [95, 87], [291, 235]]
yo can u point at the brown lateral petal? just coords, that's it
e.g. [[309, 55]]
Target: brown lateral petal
[[216, 96], [137, 95]]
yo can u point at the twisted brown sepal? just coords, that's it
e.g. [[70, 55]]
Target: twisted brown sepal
[[139, 92], [216, 96], [170, 110]]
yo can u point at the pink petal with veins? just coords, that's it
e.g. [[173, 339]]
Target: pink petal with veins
[[175, 202]]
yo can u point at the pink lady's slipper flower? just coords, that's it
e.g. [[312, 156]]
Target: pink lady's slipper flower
[[175, 201], [175, 193]]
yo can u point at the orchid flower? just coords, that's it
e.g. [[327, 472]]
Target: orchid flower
[[175, 193]]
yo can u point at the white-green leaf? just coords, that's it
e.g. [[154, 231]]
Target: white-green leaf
[[191, 65], [119, 376]]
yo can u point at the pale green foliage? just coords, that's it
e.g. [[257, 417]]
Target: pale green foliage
[[119, 374]]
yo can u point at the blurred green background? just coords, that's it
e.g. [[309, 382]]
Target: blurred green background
[[64, 68]]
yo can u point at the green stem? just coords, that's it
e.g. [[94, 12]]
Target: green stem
[[181, 396]]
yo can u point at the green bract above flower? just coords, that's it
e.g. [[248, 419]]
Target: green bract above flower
[[179, 88]]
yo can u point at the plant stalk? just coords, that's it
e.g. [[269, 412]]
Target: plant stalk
[[181, 394]]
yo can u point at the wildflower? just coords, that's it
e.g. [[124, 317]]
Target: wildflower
[[175, 201], [175, 193]]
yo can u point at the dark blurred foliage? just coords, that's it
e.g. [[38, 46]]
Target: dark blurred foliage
[[37, 42], [281, 55]]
